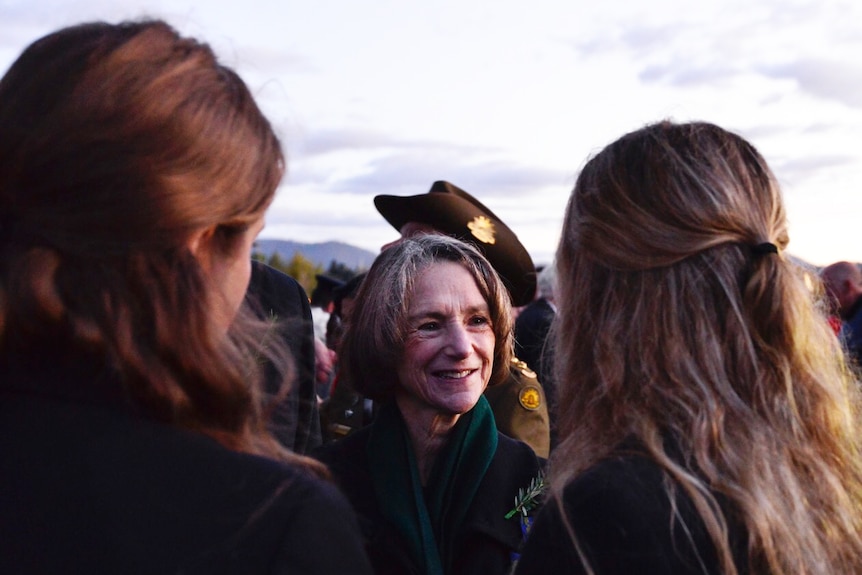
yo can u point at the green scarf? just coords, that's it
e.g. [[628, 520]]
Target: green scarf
[[430, 521]]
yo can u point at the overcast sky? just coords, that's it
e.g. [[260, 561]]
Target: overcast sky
[[507, 98]]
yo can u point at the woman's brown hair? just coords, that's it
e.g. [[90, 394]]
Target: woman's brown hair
[[684, 324], [117, 144]]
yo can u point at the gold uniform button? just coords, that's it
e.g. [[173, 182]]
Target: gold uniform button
[[530, 397]]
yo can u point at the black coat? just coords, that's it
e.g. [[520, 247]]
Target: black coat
[[88, 486], [488, 540], [275, 295], [622, 517]]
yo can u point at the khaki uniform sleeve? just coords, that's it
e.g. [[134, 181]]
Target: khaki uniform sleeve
[[520, 408]]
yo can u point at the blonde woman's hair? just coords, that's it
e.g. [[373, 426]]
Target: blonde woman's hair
[[680, 328]]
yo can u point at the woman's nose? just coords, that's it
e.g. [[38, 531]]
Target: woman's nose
[[459, 343]]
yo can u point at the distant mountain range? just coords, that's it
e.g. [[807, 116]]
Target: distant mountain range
[[321, 253], [357, 258]]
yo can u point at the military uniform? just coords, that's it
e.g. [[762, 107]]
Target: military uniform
[[520, 408]]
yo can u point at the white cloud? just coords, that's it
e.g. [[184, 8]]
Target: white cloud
[[839, 80], [508, 99]]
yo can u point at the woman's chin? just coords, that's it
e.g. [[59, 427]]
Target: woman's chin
[[459, 405]]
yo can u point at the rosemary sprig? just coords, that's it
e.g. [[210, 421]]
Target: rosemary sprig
[[528, 500]]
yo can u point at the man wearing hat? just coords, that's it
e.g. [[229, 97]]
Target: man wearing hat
[[322, 303], [519, 403]]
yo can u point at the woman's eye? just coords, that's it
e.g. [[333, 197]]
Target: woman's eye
[[429, 326], [479, 320]]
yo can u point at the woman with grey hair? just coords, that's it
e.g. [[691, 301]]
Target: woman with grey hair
[[431, 478]]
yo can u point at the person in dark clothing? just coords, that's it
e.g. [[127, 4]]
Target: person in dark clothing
[[431, 478], [843, 283], [532, 328], [345, 410], [90, 484], [135, 172], [278, 298], [322, 303], [708, 419], [618, 509]]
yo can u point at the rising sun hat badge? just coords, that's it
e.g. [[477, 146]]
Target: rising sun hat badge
[[482, 229]]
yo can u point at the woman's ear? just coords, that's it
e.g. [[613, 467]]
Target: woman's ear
[[200, 244]]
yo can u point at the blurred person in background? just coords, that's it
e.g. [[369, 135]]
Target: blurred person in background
[[280, 300], [532, 327], [345, 409], [843, 282]]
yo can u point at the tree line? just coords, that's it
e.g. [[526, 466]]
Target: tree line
[[305, 271]]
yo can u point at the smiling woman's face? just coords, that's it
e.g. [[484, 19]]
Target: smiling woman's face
[[449, 351]]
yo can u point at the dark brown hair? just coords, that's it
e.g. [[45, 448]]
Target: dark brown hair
[[117, 143]]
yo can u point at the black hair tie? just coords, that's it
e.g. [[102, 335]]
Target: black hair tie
[[764, 249]]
